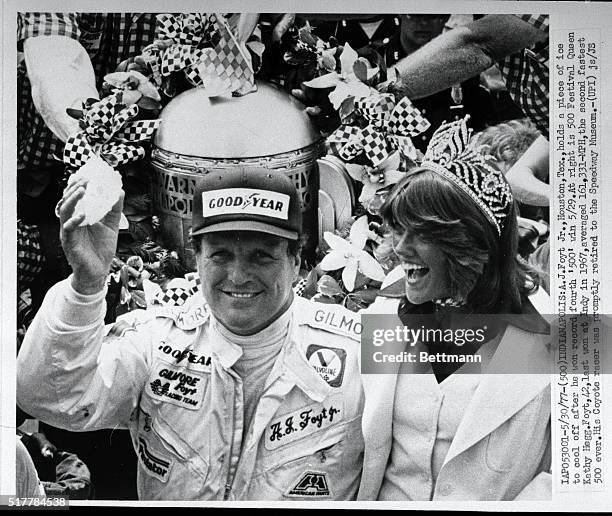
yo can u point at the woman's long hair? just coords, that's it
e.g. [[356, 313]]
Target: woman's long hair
[[483, 268]]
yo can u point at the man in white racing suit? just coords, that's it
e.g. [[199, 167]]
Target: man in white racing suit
[[250, 395]]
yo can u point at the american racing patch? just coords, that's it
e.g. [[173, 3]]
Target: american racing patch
[[311, 484], [329, 363], [303, 422], [245, 200], [176, 385], [155, 464]]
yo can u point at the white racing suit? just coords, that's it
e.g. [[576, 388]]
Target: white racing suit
[[163, 375]]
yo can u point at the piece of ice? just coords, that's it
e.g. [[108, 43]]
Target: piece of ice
[[102, 191]]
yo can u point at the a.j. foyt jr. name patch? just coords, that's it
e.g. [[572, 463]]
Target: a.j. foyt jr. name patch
[[329, 363], [179, 386], [302, 422]]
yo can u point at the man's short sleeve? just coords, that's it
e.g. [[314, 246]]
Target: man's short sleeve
[[46, 24]]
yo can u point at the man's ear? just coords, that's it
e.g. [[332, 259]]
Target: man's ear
[[296, 267]]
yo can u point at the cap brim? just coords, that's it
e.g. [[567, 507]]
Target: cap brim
[[247, 225]]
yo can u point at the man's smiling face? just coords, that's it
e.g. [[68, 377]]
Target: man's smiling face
[[247, 278]]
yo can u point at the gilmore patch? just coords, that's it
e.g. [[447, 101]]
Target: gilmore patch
[[336, 319], [176, 385]]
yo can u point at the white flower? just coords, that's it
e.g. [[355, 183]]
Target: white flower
[[134, 84], [350, 255], [374, 179], [346, 83]]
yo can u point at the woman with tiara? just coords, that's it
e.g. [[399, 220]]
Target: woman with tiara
[[477, 429]]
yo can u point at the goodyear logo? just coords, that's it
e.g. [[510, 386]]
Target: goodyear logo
[[186, 356], [245, 200]]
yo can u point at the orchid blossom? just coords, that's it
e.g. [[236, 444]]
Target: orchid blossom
[[134, 86], [374, 179], [351, 256], [352, 80]]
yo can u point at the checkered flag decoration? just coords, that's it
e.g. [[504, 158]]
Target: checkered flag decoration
[[390, 127], [109, 133], [206, 49], [194, 281], [300, 287], [179, 290], [172, 297], [30, 258]]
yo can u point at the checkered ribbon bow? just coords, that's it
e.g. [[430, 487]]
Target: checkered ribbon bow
[[390, 127], [206, 49], [188, 34], [109, 133]]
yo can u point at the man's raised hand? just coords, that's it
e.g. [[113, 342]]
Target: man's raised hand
[[89, 249]]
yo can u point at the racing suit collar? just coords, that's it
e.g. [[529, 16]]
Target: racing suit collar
[[228, 347], [302, 374], [290, 367], [294, 361], [225, 351]]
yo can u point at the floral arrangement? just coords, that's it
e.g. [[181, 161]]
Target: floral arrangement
[[355, 267], [210, 50], [310, 53], [373, 141]]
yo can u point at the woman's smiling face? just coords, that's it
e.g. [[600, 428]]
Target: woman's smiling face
[[424, 265]]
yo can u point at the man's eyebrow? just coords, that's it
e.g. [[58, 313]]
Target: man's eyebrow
[[270, 241], [272, 248]]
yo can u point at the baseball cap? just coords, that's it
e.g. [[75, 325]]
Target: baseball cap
[[247, 199]]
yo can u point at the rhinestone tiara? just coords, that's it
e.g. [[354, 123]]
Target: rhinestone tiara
[[450, 154]]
